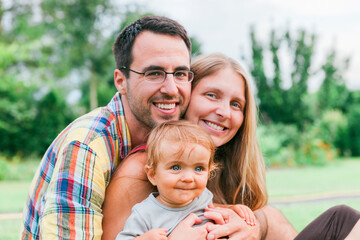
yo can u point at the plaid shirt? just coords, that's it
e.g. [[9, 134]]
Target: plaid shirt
[[68, 189]]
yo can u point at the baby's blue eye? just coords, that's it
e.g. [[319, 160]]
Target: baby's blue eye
[[199, 169], [211, 95], [175, 167]]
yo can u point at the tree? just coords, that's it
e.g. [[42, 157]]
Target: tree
[[333, 93], [276, 103]]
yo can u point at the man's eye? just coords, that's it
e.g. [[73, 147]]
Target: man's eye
[[175, 167], [153, 74], [181, 74], [199, 169]]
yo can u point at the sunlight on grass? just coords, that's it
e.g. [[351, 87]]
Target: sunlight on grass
[[339, 176], [301, 214], [10, 229], [15, 193]]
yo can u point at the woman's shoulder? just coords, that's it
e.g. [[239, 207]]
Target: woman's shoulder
[[132, 166]]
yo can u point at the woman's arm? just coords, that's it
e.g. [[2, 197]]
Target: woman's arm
[[129, 185], [270, 224]]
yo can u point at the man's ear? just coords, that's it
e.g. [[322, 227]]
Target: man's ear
[[120, 81], [150, 174]]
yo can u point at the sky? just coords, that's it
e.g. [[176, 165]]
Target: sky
[[224, 26]]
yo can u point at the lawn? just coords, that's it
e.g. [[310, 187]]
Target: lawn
[[289, 188], [304, 193]]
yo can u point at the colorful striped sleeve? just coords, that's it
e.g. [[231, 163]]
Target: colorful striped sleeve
[[75, 196]]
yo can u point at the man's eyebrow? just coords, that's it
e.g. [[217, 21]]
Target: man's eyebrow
[[152, 67], [155, 67], [182, 68]]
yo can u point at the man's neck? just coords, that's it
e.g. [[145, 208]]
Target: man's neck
[[138, 132]]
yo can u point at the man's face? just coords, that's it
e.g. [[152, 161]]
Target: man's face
[[153, 103]]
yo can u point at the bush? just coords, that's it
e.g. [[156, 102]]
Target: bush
[[333, 128], [18, 169], [354, 129], [285, 145]]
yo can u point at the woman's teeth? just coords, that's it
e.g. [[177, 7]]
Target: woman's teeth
[[214, 126]]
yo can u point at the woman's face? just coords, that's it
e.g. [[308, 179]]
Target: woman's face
[[217, 104]]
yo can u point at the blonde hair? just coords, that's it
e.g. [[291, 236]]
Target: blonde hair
[[180, 132], [241, 177]]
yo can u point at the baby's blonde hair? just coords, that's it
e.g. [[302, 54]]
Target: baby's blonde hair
[[180, 132]]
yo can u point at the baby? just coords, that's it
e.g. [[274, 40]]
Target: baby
[[179, 163]]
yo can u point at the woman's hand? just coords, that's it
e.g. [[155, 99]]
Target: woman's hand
[[229, 224], [185, 229]]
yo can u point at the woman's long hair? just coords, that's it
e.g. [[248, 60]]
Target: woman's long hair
[[241, 176]]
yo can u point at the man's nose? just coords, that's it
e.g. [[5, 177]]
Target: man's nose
[[169, 86]]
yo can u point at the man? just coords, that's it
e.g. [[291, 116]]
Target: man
[[153, 78], [153, 81]]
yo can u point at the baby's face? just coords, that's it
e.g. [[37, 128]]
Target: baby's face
[[180, 179]]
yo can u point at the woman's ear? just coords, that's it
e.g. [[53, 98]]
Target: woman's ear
[[150, 174], [120, 81]]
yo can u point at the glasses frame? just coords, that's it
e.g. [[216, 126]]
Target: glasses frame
[[166, 73]]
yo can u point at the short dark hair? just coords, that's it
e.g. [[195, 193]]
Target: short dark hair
[[125, 40]]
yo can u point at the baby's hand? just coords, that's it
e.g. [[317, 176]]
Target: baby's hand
[[154, 234], [246, 213]]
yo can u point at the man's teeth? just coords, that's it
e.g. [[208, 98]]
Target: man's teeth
[[216, 127], [166, 106]]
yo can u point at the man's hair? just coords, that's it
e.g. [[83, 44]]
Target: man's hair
[[125, 40], [179, 132]]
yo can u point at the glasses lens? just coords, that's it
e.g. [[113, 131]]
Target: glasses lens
[[184, 76], [154, 75]]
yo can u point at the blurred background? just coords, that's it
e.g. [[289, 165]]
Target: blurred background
[[56, 64]]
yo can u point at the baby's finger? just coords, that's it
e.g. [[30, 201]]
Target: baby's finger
[[215, 216]]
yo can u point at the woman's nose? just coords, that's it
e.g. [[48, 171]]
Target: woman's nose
[[223, 110]]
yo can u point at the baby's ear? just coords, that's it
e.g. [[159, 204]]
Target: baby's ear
[[150, 174]]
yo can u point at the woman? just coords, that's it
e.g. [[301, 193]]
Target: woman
[[223, 104]]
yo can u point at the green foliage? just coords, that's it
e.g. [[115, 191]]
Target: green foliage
[[17, 113], [330, 112], [333, 127], [353, 117], [51, 48], [278, 104], [284, 145], [333, 93], [17, 168], [195, 47], [52, 115]]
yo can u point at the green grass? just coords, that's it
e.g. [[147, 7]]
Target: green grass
[[301, 214], [10, 229], [340, 178], [15, 193], [284, 183]]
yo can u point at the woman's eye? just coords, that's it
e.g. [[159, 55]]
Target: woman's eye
[[175, 167], [199, 169], [236, 105]]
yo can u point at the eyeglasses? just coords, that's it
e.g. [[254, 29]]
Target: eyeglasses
[[158, 76]]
